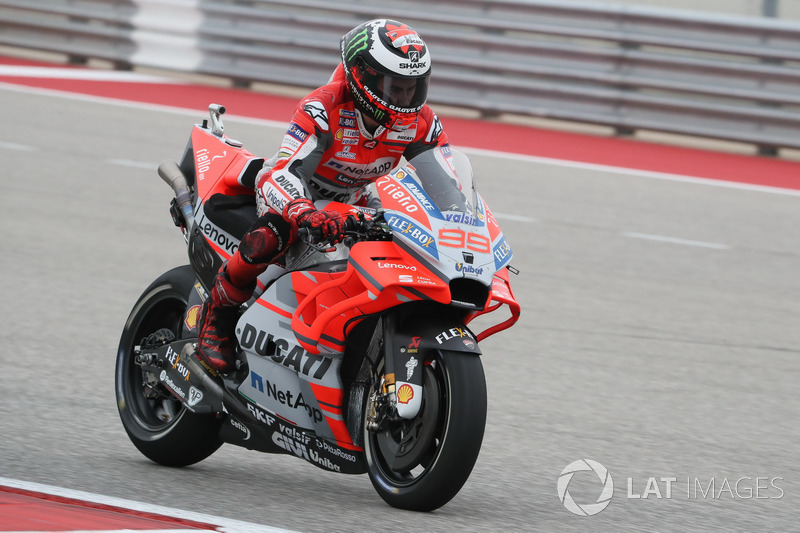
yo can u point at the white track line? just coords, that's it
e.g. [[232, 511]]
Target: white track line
[[121, 531], [133, 164], [17, 71], [633, 172], [515, 218], [674, 240], [18, 147], [226, 525]]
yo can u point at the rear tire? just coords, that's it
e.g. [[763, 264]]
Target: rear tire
[[421, 464], [161, 428]]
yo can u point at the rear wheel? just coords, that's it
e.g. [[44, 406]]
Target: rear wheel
[[421, 464], [158, 424]]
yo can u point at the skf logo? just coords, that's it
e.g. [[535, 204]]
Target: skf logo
[[192, 317]]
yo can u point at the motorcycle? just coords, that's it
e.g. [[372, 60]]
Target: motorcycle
[[355, 357]]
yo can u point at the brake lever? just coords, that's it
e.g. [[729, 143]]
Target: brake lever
[[323, 246]]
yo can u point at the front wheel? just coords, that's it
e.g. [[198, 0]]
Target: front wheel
[[421, 464], [156, 422]]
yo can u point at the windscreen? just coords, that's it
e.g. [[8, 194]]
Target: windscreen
[[446, 176]]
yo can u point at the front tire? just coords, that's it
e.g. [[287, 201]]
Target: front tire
[[421, 464], [161, 428]]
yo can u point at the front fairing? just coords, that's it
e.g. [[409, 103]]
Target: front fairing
[[436, 215]]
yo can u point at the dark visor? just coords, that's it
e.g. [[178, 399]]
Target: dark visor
[[400, 93]]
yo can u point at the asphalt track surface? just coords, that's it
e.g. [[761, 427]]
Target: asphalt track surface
[[659, 337]]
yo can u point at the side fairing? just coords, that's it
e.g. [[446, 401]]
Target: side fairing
[[223, 243], [299, 387], [501, 249], [219, 163]]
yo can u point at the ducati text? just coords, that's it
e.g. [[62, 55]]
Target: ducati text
[[281, 351]]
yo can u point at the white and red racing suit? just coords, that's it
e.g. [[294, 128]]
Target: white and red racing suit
[[328, 154]]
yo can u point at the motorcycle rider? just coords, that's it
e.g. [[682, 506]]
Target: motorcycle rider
[[342, 137]]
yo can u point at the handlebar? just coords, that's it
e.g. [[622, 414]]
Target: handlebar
[[357, 228]]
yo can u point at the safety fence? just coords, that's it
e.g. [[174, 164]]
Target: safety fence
[[627, 67]]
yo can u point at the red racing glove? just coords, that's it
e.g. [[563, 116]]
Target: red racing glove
[[323, 225]]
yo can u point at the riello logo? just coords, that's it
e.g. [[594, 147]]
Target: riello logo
[[202, 162]]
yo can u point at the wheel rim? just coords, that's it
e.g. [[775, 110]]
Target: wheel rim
[[405, 450], [154, 415]]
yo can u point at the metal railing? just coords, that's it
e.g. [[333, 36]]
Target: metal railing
[[627, 67]]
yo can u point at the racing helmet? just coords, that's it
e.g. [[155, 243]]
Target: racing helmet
[[387, 66]]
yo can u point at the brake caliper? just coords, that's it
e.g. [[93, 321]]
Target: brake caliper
[[146, 357], [382, 404]]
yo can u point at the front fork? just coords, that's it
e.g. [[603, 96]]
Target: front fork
[[409, 333], [380, 406]]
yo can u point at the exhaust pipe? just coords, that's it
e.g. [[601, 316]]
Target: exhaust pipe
[[172, 175]]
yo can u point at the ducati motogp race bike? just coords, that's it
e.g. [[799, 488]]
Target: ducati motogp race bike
[[357, 358]]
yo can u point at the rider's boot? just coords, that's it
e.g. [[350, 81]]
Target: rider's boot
[[233, 286]]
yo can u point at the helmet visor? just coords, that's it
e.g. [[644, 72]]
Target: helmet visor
[[399, 93]]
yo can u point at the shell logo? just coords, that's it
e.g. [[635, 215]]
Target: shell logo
[[405, 393], [192, 317]]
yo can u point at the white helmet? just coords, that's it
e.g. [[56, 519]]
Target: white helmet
[[387, 66]]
